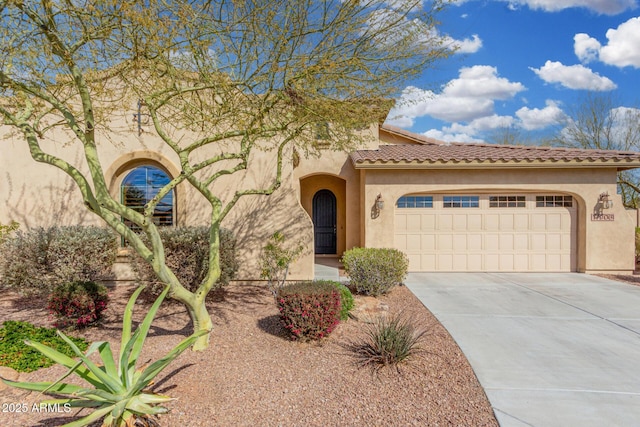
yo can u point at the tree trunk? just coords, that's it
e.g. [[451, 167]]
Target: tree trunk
[[201, 322], [198, 313]]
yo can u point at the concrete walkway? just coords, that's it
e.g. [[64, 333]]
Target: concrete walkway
[[549, 349]]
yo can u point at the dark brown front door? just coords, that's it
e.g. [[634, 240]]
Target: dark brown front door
[[324, 222]]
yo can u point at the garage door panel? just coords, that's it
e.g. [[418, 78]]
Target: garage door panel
[[428, 223], [538, 222], [401, 242], [506, 222], [521, 242], [492, 222], [506, 242], [521, 262], [413, 223], [488, 238], [428, 242], [459, 242], [400, 223], [460, 223], [554, 222], [413, 243], [445, 262], [428, 262], [474, 242], [445, 222], [445, 242], [521, 222], [554, 242], [538, 242]]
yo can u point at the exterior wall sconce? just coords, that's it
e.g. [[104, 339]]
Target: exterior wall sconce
[[605, 200], [379, 202]]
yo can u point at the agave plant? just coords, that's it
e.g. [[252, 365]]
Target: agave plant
[[117, 392]]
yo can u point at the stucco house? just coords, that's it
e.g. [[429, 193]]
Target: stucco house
[[448, 206]]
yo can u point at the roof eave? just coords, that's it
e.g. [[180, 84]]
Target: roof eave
[[497, 164]]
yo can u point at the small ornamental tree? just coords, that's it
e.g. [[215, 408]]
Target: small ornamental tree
[[275, 260], [220, 82]]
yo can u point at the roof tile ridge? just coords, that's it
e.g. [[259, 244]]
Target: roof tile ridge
[[423, 139]]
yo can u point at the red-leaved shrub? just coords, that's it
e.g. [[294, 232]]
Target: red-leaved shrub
[[309, 310], [77, 303]]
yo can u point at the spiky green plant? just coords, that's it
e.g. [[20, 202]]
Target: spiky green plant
[[388, 342], [118, 392]]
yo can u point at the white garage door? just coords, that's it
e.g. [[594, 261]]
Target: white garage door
[[487, 232]]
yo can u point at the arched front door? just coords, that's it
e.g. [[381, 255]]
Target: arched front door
[[324, 222]]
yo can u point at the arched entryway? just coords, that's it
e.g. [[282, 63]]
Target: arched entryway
[[325, 222]]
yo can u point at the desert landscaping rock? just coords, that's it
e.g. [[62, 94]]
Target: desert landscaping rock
[[253, 375]]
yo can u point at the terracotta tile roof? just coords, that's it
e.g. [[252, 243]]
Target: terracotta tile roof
[[461, 152], [423, 150]]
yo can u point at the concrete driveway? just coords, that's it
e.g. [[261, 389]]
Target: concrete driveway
[[549, 349]]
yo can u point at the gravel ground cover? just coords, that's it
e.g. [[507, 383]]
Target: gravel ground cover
[[253, 375]]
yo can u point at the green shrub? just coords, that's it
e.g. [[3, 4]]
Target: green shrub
[[374, 271], [275, 260], [5, 230], [78, 304], [117, 391], [17, 355], [309, 310], [388, 342], [187, 255], [37, 260], [346, 298]]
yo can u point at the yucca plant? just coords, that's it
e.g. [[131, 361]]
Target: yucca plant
[[118, 392], [388, 342]]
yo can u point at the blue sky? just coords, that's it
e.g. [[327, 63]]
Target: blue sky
[[524, 64]]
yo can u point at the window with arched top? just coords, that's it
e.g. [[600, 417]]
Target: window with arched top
[[140, 186]]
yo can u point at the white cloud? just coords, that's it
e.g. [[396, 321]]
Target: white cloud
[[468, 45], [536, 118], [459, 132], [622, 48], [586, 48], [607, 7], [482, 81], [573, 76], [417, 31], [469, 97], [450, 137]]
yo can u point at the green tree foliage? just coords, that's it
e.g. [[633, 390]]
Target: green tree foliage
[[219, 80], [597, 122]]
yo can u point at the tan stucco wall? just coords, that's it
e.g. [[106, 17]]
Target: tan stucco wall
[[36, 194], [601, 246]]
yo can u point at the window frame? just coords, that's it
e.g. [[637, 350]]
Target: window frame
[[460, 202], [554, 201], [162, 217], [412, 202], [507, 201]]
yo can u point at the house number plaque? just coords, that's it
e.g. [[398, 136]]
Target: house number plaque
[[602, 217]]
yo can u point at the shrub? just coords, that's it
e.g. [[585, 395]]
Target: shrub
[[17, 355], [78, 303], [39, 259], [309, 310], [5, 230], [346, 298], [275, 260], [375, 271], [388, 342], [117, 390], [187, 255]]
